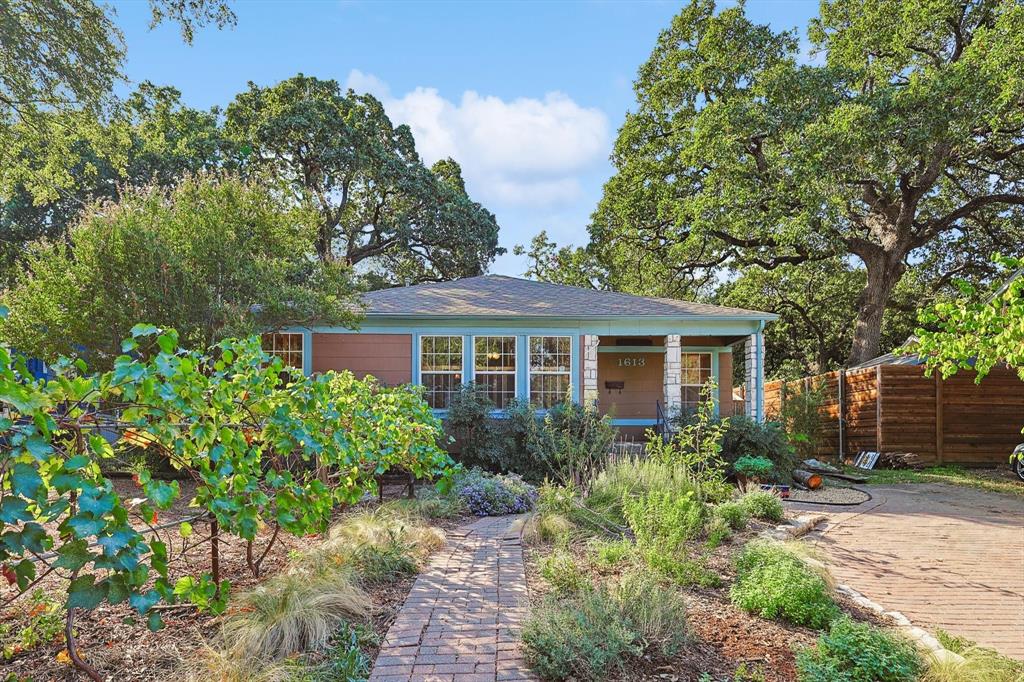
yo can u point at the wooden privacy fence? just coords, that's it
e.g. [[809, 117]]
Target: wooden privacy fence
[[896, 408]]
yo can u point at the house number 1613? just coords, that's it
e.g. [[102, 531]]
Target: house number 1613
[[632, 362]]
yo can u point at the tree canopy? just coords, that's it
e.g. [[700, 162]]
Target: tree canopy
[[379, 207], [210, 258], [899, 145]]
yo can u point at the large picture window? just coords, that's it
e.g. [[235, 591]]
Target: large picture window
[[287, 346], [696, 370], [440, 368], [550, 367], [494, 367]]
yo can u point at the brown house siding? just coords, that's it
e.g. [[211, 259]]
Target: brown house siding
[[643, 385], [725, 384], [386, 356]]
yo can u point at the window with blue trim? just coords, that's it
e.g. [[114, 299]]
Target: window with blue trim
[[550, 369], [494, 368], [440, 369], [287, 346], [696, 371]]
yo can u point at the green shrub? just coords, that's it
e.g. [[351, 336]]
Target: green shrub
[[42, 620], [772, 582], [571, 441], [801, 416], [718, 531], [344, 660], [637, 477], [746, 436], [682, 569], [859, 652], [607, 554], [735, 514], [764, 505], [469, 422], [562, 572], [755, 467], [663, 521], [596, 633]]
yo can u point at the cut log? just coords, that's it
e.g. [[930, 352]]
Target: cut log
[[807, 478]]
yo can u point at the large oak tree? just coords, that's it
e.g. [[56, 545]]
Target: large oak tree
[[899, 143], [380, 208]]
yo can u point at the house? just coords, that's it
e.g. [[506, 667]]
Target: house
[[535, 341]]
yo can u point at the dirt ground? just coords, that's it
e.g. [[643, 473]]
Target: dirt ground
[[118, 643]]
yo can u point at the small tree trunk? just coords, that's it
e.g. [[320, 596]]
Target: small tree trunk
[[215, 553], [884, 272]]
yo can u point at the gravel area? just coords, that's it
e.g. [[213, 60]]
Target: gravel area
[[829, 495]]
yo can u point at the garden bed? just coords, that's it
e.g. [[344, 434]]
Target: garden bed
[[116, 641]]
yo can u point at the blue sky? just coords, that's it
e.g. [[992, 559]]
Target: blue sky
[[527, 96]]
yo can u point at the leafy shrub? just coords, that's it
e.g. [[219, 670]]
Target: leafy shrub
[[757, 467], [343, 661], [772, 582], [749, 437], [663, 521], [568, 442], [859, 652], [800, 415], [292, 612], [494, 495], [607, 554], [763, 504], [733, 513], [595, 633], [563, 573], [718, 531]]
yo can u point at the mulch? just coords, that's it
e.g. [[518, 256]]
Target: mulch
[[118, 643]]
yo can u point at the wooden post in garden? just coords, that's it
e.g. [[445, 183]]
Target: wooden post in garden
[[939, 444], [878, 409]]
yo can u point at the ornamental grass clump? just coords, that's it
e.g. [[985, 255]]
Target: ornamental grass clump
[[859, 652], [596, 633], [495, 494], [763, 504], [773, 582]]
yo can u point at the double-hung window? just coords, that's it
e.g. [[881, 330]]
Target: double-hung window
[[440, 368], [494, 368], [696, 370], [287, 346], [550, 367]]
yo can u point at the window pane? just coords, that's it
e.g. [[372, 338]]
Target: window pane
[[550, 353], [501, 388], [287, 346], [495, 353], [439, 388], [548, 390], [441, 354]]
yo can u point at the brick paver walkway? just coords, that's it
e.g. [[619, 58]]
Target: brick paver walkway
[[461, 621], [945, 556]]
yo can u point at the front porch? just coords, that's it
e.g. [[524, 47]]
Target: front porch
[[629, 378]]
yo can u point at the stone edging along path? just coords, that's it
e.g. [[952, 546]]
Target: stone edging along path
[[461, 620]]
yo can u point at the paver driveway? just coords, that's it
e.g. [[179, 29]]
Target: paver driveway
[[946, 556]]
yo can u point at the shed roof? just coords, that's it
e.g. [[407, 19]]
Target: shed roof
[[503, 296]]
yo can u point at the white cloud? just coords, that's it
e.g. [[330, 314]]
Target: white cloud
[[524, 152]]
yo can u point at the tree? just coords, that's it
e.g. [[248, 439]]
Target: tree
[[156, 140], [905, 141], [65, 57], [211, 258], [973, 334], [816, 304], [379, 207]]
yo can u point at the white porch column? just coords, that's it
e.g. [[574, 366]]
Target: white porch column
[[591, 394], [673, 383], [754, 364]]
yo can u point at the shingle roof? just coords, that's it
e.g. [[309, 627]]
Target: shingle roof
[[502, 296]]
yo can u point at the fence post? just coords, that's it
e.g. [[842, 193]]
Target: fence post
[[878, 409], [842, 414], [939, 437]]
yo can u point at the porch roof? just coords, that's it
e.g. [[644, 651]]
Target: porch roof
[[500, 296]]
